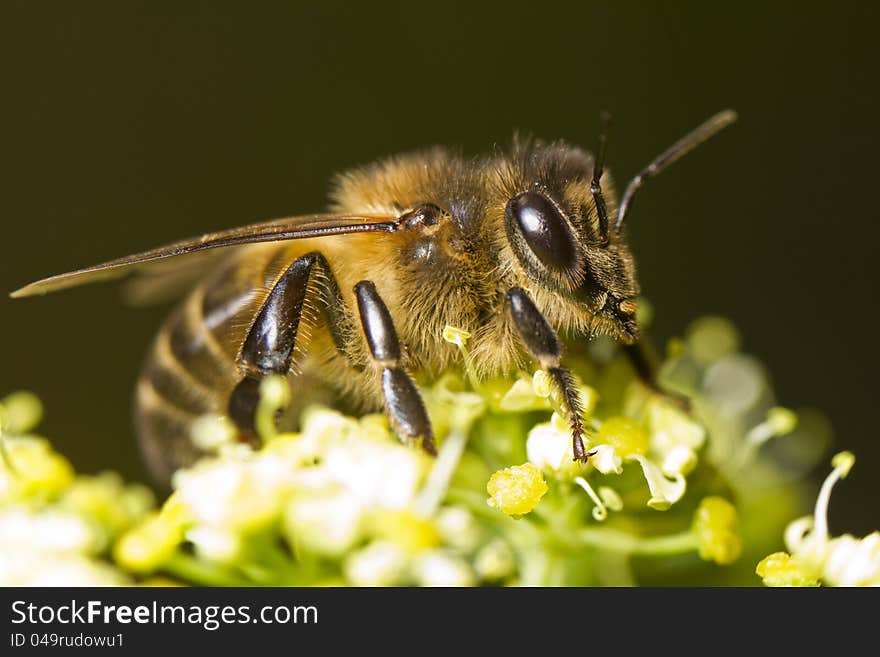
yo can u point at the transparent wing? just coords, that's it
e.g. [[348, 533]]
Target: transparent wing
[[162, 281], [278, 230]]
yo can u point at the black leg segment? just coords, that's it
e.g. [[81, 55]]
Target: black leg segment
[[269, 345], [535, 331], [543, 344], [405, 405]]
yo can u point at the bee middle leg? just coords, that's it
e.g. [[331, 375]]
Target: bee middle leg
[[543, 344], [269, 345], [405, 405]]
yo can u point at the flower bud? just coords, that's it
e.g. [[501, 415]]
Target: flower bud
[[148, 545], [20, 412], [717, 528], [38, 472], [781, 420]]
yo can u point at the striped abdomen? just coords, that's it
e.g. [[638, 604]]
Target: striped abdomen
[[192, 367]]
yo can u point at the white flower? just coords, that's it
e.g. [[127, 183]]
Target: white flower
[[327, 524], [495, 561], [458, 528], [667, 452], [606, 460], [216, 544], [549, 448], [853, 562], [381, 563], [680, 460], [229, 493], [840, 561], [209, 432], [18, 568], [48, 531], [385, 475], [664, 493], [439, 568], [51, 548]]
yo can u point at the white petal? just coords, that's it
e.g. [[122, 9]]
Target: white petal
[[216, 544], [328, 524], [458, 528], [664, 493], [381, 563], [440, 568], [797, 534], [387, 475], [853, 562], [680, 460], [550, 449], [606, 460], [611, 498]]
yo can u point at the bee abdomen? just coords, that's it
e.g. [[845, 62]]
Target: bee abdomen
[[189, 372]]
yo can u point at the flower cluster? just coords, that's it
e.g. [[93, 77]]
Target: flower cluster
[[815, 557], [341, 502], [56, 528]]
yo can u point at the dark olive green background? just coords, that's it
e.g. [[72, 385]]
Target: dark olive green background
[[129, 124]]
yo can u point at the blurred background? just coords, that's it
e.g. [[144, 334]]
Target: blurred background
[[127, 125]]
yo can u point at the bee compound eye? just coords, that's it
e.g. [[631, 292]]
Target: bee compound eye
[[543, 228]]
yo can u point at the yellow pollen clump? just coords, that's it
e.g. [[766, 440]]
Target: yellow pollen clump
[[517, 490], [781, 569]]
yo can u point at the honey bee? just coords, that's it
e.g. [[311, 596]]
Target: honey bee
[[513, 248]]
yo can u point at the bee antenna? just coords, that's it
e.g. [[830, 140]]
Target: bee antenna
[[685, 145], [598, 168]]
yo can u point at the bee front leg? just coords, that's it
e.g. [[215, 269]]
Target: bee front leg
[[405, 405], [543, 344]]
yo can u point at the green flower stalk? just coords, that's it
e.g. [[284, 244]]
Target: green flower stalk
[[666, 496]]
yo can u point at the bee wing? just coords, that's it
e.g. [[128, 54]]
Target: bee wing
[[278, 230], [161, 281]]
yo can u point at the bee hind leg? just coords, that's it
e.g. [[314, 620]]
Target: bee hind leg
[[543, 344], [405, 405], [269, 345]]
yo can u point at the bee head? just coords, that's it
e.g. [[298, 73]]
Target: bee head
[[557, 231]]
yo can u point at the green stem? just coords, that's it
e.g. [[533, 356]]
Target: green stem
[[432, 494], [602, 538], [202, 573], [615, 540]]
